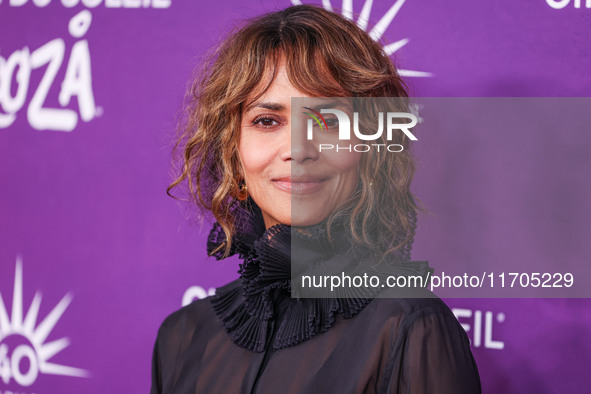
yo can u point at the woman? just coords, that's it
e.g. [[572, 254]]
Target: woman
[[277, 197]]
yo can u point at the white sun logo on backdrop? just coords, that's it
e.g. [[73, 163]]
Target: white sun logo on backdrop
[[35, 351], [378, 30]]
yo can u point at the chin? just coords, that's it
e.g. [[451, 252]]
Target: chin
[[300, 215], [305, 221]]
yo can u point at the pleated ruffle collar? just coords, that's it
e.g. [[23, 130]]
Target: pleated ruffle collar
[[258, 310]]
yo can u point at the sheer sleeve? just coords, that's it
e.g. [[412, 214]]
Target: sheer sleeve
[[156, 387], [435, 357], [180, 348]]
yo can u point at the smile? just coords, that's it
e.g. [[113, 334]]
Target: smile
[[299, 185]]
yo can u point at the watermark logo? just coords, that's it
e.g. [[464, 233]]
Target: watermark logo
[[392, 124], [388, 123], [23, 341], [315, 117]]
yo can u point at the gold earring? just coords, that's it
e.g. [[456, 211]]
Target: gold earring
[[242, 191]]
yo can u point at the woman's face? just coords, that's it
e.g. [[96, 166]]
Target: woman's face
[[286, 175]]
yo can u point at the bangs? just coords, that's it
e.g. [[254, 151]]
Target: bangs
[[307, 69], [324, 56]]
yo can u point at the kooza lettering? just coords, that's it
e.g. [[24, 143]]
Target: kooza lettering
[[77, 82], [96, 3]]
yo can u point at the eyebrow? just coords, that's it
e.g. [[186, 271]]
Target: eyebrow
[[266, 105], [330, 104], [280, 107]]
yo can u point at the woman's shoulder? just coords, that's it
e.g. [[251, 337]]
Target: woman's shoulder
[[181, 333], [410, 304], [191, 318], [407, 314], [421, 333]]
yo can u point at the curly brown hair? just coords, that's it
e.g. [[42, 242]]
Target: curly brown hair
[[311, 42]]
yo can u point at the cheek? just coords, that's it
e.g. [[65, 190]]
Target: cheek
[[344, 163], [254, 157]]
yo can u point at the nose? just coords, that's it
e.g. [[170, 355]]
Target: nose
[[298, 148]]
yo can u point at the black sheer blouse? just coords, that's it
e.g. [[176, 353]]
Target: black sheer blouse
[[252, 337]]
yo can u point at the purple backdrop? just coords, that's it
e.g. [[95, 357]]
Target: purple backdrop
[[94, 254]]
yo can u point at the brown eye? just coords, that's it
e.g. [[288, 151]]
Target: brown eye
[[265, 122]]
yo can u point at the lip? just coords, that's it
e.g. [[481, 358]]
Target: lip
[[301, 184]]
